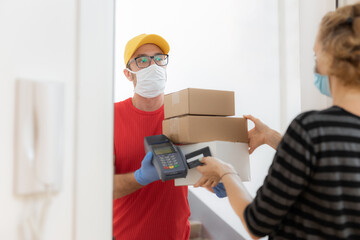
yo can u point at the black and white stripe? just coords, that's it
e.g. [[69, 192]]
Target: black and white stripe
[[312, 190]]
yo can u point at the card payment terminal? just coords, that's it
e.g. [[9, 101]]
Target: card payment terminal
[[168, 159]]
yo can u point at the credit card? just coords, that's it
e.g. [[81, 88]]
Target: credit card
[[193, 158]]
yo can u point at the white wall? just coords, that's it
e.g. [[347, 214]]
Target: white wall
[[37, 42], [227, 45], [347, 2], [41, 40], [289, 59]]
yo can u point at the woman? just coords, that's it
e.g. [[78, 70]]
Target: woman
[[312, 190]]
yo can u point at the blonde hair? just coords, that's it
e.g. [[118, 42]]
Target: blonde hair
[[339, 35]]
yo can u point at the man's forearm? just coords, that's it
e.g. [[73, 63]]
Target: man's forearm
[[125, 184]]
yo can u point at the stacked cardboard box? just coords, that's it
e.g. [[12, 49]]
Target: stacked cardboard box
[[201, 117]]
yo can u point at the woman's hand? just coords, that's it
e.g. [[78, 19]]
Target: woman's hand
[[261, 134], [211, 171]]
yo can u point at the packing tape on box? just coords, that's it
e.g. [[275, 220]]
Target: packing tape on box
[[174, 127], [175, 98]]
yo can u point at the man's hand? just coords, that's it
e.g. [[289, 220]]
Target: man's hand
[[146, 173], [220, 190]]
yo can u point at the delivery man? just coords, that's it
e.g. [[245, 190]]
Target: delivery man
[[144, 208]]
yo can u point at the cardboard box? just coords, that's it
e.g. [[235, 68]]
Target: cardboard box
[[237, 154], [195, 129], [199, 102]]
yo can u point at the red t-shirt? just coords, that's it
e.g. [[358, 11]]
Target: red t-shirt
[[158, 211]]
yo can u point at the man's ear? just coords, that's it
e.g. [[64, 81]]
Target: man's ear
[[128, 75]]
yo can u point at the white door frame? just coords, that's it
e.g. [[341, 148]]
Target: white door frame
[[93, 186]]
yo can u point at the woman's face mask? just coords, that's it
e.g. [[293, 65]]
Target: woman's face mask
[[321, 82], [150, 81]]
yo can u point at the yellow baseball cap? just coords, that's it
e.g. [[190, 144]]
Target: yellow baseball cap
[[136, 42]]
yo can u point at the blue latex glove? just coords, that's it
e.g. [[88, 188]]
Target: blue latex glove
[[220, 190], [146, 173]]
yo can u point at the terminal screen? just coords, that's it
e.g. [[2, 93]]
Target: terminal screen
[[163, 149]]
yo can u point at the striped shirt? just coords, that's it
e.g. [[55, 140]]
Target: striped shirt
[[312, 190]]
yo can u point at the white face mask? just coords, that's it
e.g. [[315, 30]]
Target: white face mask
[[150, 81]]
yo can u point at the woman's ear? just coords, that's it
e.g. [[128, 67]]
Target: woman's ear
[[128, 75]]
